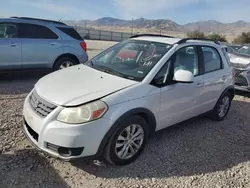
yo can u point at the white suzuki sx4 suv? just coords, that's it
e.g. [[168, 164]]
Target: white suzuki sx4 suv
[[113, 103]]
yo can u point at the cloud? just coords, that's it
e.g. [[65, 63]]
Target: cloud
[[147, 8]]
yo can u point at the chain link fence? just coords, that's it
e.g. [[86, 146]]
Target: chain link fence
[[93, 34]]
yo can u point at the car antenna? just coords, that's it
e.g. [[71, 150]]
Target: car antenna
[[60, 19]]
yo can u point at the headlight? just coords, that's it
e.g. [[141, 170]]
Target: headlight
[[84, 113]]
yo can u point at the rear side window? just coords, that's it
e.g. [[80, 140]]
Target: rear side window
[[71, 32], [212, 59], [225, 52], [33, 31]]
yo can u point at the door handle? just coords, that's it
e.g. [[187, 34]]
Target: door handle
[[13, 44], [53, 43], [199, 84]]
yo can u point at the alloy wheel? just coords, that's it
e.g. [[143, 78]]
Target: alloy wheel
[[129, 141], [224, 106], [66, 64]]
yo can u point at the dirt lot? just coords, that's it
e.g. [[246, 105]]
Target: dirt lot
[[197, 153]]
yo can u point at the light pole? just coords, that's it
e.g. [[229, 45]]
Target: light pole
[[132, 28]]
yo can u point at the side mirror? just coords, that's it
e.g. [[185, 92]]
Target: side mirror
[[183, 76]]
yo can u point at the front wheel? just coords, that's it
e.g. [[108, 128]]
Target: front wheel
[[127, 141], [222, 107]]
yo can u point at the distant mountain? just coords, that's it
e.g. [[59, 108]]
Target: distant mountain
[[168, 25]]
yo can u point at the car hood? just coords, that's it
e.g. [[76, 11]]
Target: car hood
[[240, 54], [239, 60], [79, 84]]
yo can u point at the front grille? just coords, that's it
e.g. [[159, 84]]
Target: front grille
[[63, 151], [237, 72], [241, 81], [40, 106], [52, 147], [31, 131]]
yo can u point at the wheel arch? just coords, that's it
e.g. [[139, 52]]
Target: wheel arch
[[146, 114], [229, 89], [69, 55]]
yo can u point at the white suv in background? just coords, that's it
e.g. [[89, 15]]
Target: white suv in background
[[111, 105]]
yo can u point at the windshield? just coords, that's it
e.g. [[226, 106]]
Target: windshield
[[244, 50], [131, 59]]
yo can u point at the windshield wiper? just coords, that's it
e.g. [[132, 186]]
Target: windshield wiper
[[112, 71]]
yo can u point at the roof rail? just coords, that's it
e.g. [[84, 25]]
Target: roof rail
[[43, 20], [184, 40], [150, 35]]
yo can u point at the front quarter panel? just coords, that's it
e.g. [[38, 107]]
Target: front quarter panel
[[143, 96]]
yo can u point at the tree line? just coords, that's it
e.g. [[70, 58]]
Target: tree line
[[243, 38]]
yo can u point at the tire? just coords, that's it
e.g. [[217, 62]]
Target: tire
[[60, 62], [216, 114], [112, 151]]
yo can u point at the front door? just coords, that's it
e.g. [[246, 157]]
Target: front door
[[10, 47], [179, 101]]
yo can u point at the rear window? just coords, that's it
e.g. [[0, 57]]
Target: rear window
[[71, 32]]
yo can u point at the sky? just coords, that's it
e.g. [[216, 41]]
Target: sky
[[180, 11]]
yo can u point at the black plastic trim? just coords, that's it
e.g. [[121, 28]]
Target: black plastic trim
[[37, 19], [184, 40]]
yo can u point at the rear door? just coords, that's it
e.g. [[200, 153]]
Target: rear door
[[40, 46], [215, 77], [10, 46]]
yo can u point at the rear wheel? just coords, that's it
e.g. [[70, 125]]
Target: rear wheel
[[63, 63], [222, 107], [127, 141]]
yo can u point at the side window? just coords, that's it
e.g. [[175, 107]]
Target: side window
[[8, 30], [71, 32], [187, 59], [212, 59], [184, 59], [161, 77], [226, 55], [33, 31]]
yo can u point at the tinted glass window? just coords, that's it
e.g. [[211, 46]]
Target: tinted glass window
[[212, 60], [71, 32], [33, 31], [8, 30]]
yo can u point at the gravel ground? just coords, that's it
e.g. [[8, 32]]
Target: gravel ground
[[196, 153]]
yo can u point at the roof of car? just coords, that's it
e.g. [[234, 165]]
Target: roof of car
[[33, 21], [158, 39], [173, 40]]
